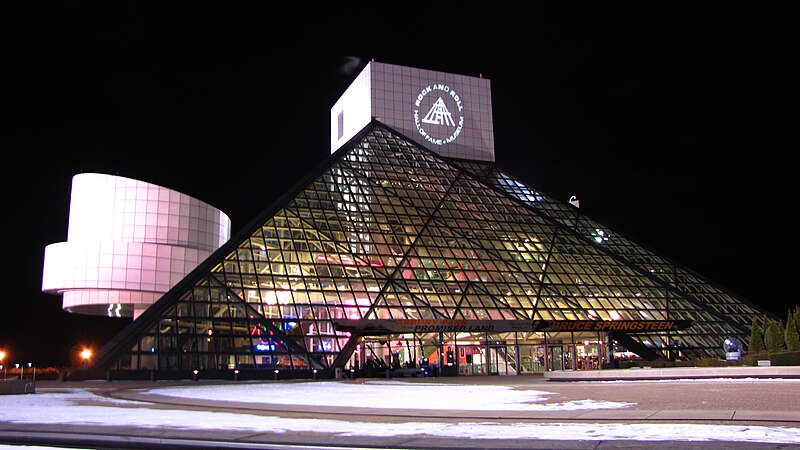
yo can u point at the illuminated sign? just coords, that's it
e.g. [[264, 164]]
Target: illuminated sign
[[444, 127], [115, 310], [448, 113], [265, 347], [367, 327], [618, 325], [389, 326]]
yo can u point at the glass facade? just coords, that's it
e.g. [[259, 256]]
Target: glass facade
[[390, 230]]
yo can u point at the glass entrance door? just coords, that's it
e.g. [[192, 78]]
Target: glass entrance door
[[555, 357]]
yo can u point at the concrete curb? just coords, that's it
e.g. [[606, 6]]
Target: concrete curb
[[675, 373]]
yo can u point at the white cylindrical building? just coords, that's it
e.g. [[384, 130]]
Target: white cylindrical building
[[128, 243]]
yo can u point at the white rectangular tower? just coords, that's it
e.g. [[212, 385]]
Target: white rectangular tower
[[447, 113]]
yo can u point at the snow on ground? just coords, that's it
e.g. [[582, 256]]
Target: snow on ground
[[81, 407], [379, 394], [31, 447]]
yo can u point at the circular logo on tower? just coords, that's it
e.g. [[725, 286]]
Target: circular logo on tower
[[439, 114]]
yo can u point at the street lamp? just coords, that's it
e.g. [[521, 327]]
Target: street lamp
[[86, 355]]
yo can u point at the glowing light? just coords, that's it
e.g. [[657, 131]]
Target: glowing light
[[600, 236], [264, 347], [278, 297], [115, 310], [86, 354], [347, 261]]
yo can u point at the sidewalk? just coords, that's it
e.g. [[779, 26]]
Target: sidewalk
[[675, 373]]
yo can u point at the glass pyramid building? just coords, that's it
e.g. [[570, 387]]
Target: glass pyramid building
[[391, 257]]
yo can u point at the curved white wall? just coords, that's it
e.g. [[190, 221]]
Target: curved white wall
[[128, 243]]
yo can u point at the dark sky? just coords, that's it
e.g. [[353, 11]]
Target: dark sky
[[678, 128]]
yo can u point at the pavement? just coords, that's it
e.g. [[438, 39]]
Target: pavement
[[694, 396]]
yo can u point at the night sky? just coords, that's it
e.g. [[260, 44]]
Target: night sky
[[677, 128]]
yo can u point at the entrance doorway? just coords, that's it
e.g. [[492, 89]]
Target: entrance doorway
[[558, 357], [471, 359]]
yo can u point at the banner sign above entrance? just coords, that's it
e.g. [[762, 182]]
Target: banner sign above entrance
[[373, 327], [618, 325], [366, 327]]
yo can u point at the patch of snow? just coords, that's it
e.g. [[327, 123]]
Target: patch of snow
[[397, 395]]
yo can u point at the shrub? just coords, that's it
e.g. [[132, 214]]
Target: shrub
[[41, 373], [791, 335], [796, 315], [774, 337], [48, 373], [786, 359], [704, 362], [714, 362], [756, 344], [776, 359]]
